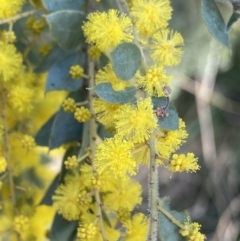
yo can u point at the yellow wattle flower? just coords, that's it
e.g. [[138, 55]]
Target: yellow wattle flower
[[136, 123], [166, 47], [150, 15], [107, 29]]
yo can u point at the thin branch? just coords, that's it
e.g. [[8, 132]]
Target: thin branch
[[19, 16], [7, 149], [170, 217], [153, 190]]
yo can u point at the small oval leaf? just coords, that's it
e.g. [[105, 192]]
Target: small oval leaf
[[233, 19], [107, 93], [43, 135], [59, 77], [65, 128], [53, 56], [63, 229], [171, 122], [65, 27], [214, 21], [57, 5], [126, 60], [168, 231]]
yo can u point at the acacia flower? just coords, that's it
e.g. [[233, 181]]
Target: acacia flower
[[191, 231], [105, 111], [124, 193], [114, 158], [3, 164], [167, 142], [155, 81], [86, 231], [136, 228], [166, 47], [107, 30], [69, 105], [21, 223], [82, 114], [28, 142], [10, 61], [181, 163], [94, 52], [65, 200], [136, 123], [107, 75], [76, 71], [71, 162], [20, 98], [9, 8], [150, 15]]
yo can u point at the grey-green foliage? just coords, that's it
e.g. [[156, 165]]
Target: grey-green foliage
[[214, 21], [171, 122], [56, 5], [126, 60], [65, 27], [107, 93], [168, 231], [233, 19]]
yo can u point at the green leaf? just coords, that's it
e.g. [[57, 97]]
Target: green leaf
[[107, 93], [62, 229], [59, 77], [56, 5], [43, 135], [171, 122], [65, 128], [53, 56], [65, 27], [126, 60], [47, 199], [106, 218], [167, 230], [214, 21], [233, 19]]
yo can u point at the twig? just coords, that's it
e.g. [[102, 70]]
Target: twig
[[6, 149], [17, 17], [153, 190], [169, 216]]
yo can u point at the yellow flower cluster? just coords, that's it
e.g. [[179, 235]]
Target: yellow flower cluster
[[3, 164], [155, 81], [21, 223], [10, 61], [28, 142], [107, 30], [71, 162], [37, 25], [107, 75], [69, 105], [76, 72], [8, 36], [45, 49], [9, 8], [86, 232], [191, 232], [82, 114], [187, 163], [94, 52]]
